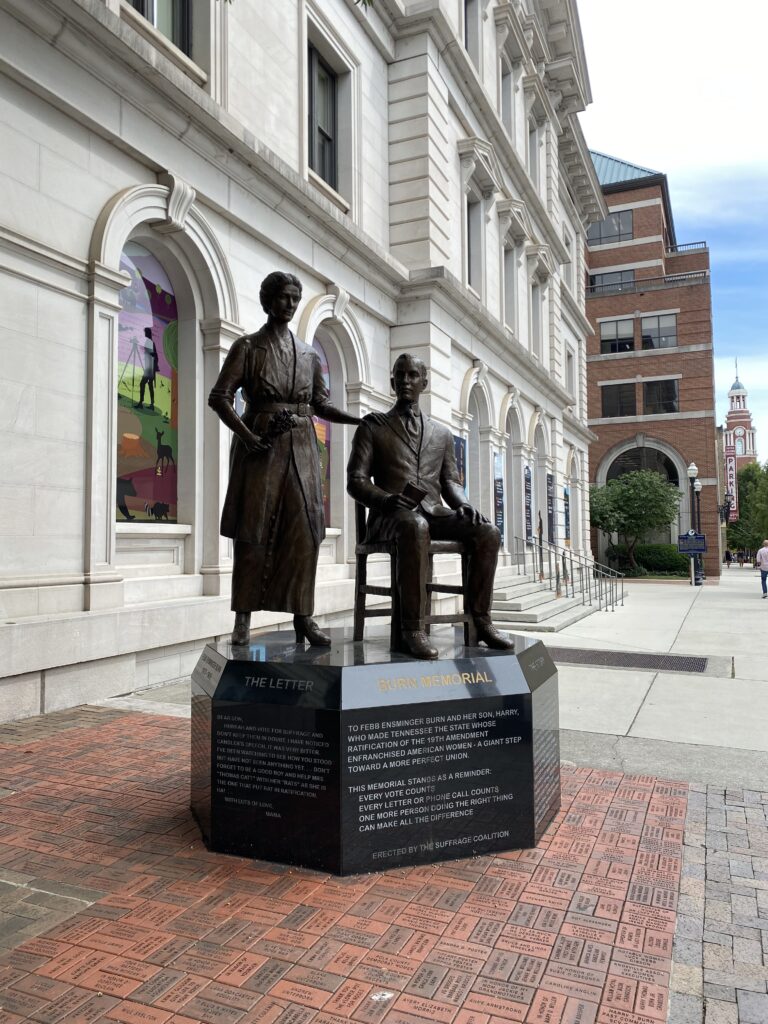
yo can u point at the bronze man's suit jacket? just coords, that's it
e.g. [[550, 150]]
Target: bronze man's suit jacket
[[385, 458]]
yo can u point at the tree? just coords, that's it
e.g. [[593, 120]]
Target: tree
[[751, 528], [632, 506]]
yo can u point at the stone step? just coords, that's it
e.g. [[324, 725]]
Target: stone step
[[554, 624], [539, 614], [522, 602], [511, 592]]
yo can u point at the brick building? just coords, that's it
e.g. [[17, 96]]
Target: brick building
[[650, 366]]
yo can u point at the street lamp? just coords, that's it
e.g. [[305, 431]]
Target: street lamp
[[693, 472], [724, 510]]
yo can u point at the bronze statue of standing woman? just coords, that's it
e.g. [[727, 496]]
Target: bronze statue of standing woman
[[274, 505]]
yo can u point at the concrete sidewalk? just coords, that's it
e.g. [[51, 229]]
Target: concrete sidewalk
[[710, 727]]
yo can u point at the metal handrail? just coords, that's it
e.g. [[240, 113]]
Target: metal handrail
[[649, 284], [686, 247], [570, 573]]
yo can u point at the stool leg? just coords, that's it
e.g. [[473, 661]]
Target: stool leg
[[470, 630], [428, 595], [361, 578], [395, 625]]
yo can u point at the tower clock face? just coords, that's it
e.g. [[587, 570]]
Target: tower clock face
[[739, 432]]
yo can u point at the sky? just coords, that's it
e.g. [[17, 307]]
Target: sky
[[678, 88]]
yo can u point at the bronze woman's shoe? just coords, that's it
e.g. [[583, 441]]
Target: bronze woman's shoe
[[416, 643], [241, 634], [492, 637], [307, 629]]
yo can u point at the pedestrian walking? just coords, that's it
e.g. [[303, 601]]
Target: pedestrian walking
[[740, 559], [761, 563], [728, 558]]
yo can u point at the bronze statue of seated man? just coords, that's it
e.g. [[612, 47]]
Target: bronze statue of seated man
[[403, 468]]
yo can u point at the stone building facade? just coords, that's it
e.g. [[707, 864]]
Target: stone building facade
[[650, 361], [419, 166]]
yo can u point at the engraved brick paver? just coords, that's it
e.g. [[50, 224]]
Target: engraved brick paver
[[111, 908]]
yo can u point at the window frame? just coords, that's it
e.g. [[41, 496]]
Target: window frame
[[316, 62], [614, 344], [620, 234], [473, 32], [658, 317], [622, 391], [181, 15], [660, 402], [475, 241], [602, 286]]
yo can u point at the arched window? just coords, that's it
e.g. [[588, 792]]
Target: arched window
[[147, 391], [644, 458], [739, 446], [323, 431]]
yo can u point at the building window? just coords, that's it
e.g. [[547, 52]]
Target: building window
[[615, 281], [474, 233], [568, 265], [533, 152], [643, 458], [322, 119], [508, 96], [169, 17], [739, 446], [617, 227], [536, 319], [659, 331], [660, 396], [570, 372], [619, 400], [472, 30], [510, 287], [617, 336], [147, 391]]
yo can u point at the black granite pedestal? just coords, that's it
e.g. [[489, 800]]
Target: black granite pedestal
[[352, 759]]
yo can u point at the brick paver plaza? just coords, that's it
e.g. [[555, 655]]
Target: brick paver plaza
[[112, 909]]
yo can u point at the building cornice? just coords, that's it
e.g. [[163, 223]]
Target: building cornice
[[438, 283], [575, 427], [580, 172], [574, 311]]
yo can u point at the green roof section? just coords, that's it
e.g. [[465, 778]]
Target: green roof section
[[610, 170]]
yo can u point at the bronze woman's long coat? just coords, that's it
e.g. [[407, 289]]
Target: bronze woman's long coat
[[274, 504]]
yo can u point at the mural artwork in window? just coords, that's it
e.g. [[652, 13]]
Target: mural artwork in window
[[147, 393], [323, 432]]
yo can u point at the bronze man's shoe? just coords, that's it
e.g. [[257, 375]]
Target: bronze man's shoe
[[241, 634], [416, 643], [492, 637], [307, 629]]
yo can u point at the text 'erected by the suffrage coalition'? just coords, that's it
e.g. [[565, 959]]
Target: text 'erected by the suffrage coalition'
[[255, 762]]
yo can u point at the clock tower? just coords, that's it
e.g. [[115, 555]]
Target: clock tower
[[739, 433]]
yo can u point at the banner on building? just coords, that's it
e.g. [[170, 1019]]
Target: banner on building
[[498, 493], [551, 508], [732, 482], [527, 490], [567, 515], [460, 454]]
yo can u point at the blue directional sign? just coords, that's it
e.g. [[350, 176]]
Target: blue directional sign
[[692, 543]]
